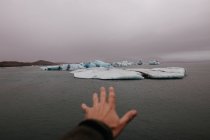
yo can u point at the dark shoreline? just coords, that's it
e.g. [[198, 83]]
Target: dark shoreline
[[20, 64]]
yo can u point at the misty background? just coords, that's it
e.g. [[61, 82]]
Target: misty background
[[80, 30]]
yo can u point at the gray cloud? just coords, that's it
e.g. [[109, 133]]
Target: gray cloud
[[76, 30]]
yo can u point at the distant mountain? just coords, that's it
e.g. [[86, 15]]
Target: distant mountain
[[43, 62], [19, 64]]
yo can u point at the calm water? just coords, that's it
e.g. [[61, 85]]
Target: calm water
[[41, 105]]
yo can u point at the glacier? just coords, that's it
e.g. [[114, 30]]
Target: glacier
[[107, 74], [162, 73]]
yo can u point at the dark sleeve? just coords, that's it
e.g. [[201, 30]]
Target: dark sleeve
[[90, 130]]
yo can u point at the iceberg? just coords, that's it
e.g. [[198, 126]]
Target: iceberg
[[55, 67], [76, 66], [64, 67], [71, 67], [122, 64], [154, 62], [89, 65], [162, 73], [97, 63], [140, 62], [101, 70], [107, 74]]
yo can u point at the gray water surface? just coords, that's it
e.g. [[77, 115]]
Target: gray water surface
[[44, 105]]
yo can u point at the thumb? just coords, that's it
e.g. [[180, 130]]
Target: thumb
[[129, 116]]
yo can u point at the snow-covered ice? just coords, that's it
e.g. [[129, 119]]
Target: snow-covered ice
[[122, 64], [162, 73], [107, 74]]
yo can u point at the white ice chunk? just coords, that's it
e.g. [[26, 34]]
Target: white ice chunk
[[162, 73], [154, 62], [55, 67], [65, 66], [107, 74], [76, 66], [100, 63], [97, 63], [90, 65], [43, 68], [122, 64]]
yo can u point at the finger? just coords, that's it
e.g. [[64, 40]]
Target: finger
[[95, 99], [112, 101], [129, 116], [103, 95], [85, 108]]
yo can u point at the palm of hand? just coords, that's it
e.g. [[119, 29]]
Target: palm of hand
[[104, 111]]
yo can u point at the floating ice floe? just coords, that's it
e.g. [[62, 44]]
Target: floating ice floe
[[154, 62], [55, 67], [140, 62], [162, 73], [89, 65], [67, 67], [97, 63], [122, 64], [71, 67], [107, 74], [101, 70], [64, 67]]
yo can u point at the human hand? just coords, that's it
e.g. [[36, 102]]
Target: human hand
[[105, 111]]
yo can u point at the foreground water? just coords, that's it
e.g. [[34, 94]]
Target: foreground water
[[43, 105]]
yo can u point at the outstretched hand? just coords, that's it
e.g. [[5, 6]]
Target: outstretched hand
[[104, 110]]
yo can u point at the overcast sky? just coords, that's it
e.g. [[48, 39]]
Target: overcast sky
[[79, 30]]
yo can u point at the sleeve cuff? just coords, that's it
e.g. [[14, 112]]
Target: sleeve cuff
[[100, 127]]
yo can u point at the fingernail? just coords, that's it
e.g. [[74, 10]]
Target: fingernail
[[83, 105], [111, 89], [102, 88], [134, 112]]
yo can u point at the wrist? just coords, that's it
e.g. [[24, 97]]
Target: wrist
[[99, 126]]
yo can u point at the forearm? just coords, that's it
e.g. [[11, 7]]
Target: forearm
[[90, 130]]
